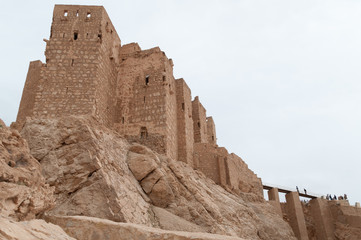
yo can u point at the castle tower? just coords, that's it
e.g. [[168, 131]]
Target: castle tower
[[146, 104], [79, 76], [199, 121], [185, 122], [211, 131]]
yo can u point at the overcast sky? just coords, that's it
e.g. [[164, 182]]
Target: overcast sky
[[280, 78]]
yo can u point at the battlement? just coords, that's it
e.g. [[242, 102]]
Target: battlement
[[88, 72]]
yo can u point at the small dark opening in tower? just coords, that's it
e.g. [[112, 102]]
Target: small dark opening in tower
[[143, 132], [212, 138], [100, 37], [77, 13], [183, 106], [122, 119], [75, 35], [63, 35], [65, 13], [199, 124], [147, 80], [164, 78], [72, 62]]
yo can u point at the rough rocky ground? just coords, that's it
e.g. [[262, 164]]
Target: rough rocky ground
[[31, 230], [82, 227], [94, 172]]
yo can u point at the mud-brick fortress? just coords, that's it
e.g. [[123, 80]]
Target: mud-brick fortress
[[89, 72]]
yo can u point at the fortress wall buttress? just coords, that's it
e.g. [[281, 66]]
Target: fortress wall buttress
[[199, 121], [185, 122], [211, 131], [171, 110], [30, 90], [107, 72]]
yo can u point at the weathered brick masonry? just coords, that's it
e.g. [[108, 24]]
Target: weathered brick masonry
[[89, 72]]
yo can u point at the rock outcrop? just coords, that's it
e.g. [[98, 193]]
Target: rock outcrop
[[23, 192], [81, 227], [97, 173], [31, 230]]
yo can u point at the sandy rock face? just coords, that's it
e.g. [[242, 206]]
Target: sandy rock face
[[97, 173], [31, 230], [23, 192], [86, 165], [84, 228]]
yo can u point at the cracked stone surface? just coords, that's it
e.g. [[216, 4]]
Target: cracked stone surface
[[86, 165], [23, 191], [97, 173]]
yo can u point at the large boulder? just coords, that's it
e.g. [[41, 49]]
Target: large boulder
[[23, 191]]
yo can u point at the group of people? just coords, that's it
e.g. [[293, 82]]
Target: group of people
[[304, 190], [329, 197]]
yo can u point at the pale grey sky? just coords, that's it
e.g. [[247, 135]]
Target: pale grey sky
[[280, 78]]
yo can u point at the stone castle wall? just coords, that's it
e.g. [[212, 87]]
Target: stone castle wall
[[89, 72]]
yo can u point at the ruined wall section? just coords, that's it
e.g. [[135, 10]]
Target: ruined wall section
[[185, 122], [199, 121], [30, 89], [227, 170], [211, 131], [147, 100], [241, 177], [207, 159]]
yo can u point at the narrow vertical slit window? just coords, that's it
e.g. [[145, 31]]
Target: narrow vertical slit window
[[65, 13], [183, 106], [122, 119], [88, 15], [75, 35], [147, 80], [143, 132], [72, 62], [77, 13], [144, 99]]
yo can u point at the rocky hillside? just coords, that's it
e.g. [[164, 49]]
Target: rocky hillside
[[80, 168]]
